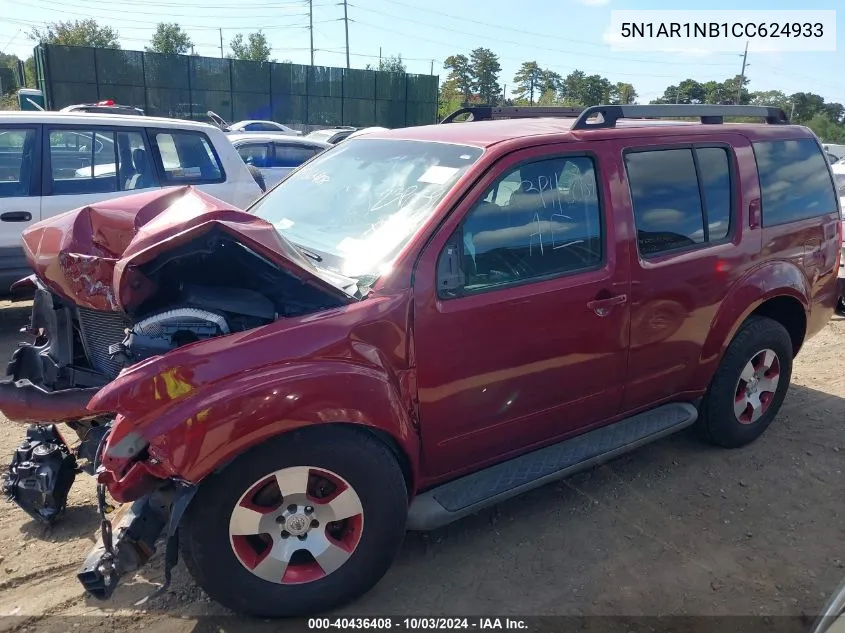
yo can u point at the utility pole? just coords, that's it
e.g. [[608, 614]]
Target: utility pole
[[742, 76], [311, 27], [379, 57], [432, 67], [346, 27], [221, 43], [678, 94]]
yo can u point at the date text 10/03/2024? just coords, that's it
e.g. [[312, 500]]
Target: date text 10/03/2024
[[418, 623]]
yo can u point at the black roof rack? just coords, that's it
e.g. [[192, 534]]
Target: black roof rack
[[490, 113], [709, 114], [610, 114]]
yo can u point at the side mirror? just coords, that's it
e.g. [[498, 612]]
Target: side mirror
[[450, 275]]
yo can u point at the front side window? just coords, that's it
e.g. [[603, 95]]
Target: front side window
[[682, 197], [538, 220], [353, 209], [794, 180], [17, 161], [82, 161], [187, 158]]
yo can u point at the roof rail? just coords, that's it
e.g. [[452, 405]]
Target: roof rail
[[709, 114], [490, 113]]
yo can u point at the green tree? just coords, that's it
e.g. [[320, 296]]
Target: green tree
[[835, 112], [451, 98], [392, 64], [77, 33], [527, 81], [806, 105], [460, 74], [255, 48], [485, 70], [580, 89], [623, 93], [828, 131], [774, 98], [688, 91], [170, 39], [550, 81]]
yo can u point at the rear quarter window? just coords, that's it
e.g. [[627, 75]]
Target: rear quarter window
[[188, 158], [794, 180]]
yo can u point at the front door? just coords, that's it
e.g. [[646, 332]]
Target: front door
[[521, 312]]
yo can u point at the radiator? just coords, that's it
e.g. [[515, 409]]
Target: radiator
[[99, 330]]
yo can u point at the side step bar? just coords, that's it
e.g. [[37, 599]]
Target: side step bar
[[469, 494]]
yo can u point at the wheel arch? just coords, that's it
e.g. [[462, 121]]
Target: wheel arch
[[778, 291]]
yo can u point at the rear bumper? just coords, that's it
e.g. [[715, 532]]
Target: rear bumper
[[13, 266]]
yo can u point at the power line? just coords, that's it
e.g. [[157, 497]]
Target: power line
[[520, 60], [503, 41], [61, 9]]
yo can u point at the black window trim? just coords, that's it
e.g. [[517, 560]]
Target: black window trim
[[819, 146], [35, 178], [505, 285], [46, 162], [153, 132], [733, 181]]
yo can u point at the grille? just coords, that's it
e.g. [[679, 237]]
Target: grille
[[99, 330]]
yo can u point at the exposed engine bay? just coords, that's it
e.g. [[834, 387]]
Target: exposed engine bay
[[209, 287]]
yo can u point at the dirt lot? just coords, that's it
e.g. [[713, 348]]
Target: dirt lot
[[674, 528]]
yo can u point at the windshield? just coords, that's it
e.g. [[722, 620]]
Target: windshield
[[353, 207]]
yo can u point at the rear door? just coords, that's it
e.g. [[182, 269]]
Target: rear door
[[690, 246], [20, 200], [87, 164]]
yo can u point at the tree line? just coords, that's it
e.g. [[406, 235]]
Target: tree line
[[476, 80]]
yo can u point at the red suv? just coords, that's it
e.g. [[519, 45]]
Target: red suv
[[414, 325]]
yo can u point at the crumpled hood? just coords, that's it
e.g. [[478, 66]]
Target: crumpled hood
[[91, 255]]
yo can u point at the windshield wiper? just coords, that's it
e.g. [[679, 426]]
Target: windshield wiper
[[308, 253]]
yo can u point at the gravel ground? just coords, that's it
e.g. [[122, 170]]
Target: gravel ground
[[676, 528]]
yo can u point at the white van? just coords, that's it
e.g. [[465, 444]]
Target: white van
[[51, 162]]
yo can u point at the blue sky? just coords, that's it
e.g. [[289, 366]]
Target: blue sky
[[559, 34]]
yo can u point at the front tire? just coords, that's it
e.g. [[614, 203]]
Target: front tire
[[750, 384], [300, 524]]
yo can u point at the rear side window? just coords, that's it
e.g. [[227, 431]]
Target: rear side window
[[17, 152], [682, 197], [292, 155], [187, 158], [795, 181], [256, 155], [82, 161]]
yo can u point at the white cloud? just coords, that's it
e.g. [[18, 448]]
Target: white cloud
[[593, 3]]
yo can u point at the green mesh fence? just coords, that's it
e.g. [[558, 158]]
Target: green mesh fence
[[185, 86]]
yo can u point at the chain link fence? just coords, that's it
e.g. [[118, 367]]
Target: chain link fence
[[188, 86]]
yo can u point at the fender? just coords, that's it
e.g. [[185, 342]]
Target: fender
[[770, 280], [192, 436]]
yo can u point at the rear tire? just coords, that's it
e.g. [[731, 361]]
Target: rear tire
[[224, 564], [750, 384]]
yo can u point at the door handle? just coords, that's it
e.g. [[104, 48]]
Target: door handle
[[16, 216], [602, 307]]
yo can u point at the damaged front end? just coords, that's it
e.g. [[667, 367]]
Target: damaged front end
[[116, 284], [129, 536]]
